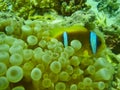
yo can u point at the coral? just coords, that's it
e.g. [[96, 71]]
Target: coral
[[68, 7], [113, 42], [107, 20], [83, 18], [40, 50], [101, 20], [108, 6], [36, 8]]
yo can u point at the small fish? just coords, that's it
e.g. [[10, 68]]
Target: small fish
[[93, 42], [65, 39]]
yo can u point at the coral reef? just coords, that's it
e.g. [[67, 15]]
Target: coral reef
[[42, 50], [40, 7], [108, 6], [107, 20]]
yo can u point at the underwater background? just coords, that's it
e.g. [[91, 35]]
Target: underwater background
[[59, 44]]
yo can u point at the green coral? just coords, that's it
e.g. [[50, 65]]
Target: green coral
[[39, 7], [109, 6], [70, 6]]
